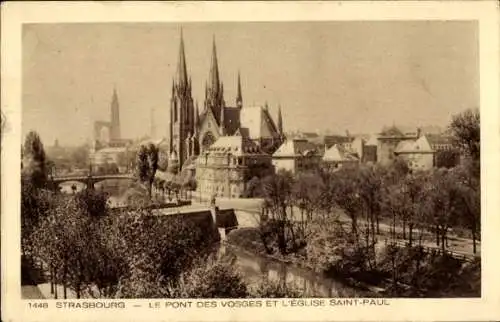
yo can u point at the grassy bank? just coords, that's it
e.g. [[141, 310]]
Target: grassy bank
[[248, 239], [392, 272]]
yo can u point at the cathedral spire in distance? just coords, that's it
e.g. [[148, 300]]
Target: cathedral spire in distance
[[115, 116], [239, 97]]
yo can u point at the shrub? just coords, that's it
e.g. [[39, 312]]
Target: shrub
[[276, 289], [212, 280]]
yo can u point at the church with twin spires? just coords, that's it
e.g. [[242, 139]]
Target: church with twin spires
[[192, 132]]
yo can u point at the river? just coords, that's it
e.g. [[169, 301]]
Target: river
[[255, 267]]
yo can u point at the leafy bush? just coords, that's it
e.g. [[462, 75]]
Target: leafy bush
[[276, 289], [335, 249], [212, 280], [421, 274]]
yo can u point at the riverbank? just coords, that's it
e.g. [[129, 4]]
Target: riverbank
[[397, 271], [247, 240]]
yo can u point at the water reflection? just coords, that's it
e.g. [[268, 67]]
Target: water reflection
[[115, 189], [313, 284], [67, 187]]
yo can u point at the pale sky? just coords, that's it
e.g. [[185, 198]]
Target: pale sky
[[355, 76]]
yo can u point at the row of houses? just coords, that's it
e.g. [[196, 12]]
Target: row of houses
[[226, 167], [420, 150]]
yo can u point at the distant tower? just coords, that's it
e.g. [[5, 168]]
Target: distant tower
[[115, 133], [239, 97], [181, 111], [214, 91]]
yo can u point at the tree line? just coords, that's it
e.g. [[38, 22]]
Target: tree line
[[418, 202]]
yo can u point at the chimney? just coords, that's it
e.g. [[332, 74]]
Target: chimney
[[419, 132]]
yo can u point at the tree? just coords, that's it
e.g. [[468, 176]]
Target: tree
[[417, 185], [92, 202], [344, 191], [278, 192], [393, 203], [35, 206], [64, 240], [34, 160], [369, 187], [447, 158], [307, 192], [254, 188], [173, 245], [469, 200], [465, 129], [147, 164], [443, 198]]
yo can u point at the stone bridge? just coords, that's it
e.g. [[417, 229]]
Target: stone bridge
[[90, 181]]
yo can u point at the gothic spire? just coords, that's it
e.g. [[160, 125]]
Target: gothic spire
[[239, 98], [182, 78], [214, 71], [280, 121]]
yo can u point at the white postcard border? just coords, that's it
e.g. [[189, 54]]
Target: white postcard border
[[485, 12]]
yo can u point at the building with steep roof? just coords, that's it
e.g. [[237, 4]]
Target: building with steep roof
[[388, 140], [422, 153], [296, 155], [224, 167], [417, 153], [439, 142], [339, 156], [331, 140]]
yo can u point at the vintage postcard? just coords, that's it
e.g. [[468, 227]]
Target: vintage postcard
[[243, 161]]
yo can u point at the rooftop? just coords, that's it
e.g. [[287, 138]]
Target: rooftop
[[295, 148], [338, 153], [258, 122], [236, 145]]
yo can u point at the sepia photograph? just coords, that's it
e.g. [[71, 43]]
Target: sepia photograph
[[237, 160], [250, 161]]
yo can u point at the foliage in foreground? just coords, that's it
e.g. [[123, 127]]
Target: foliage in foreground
[[131, 254]]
